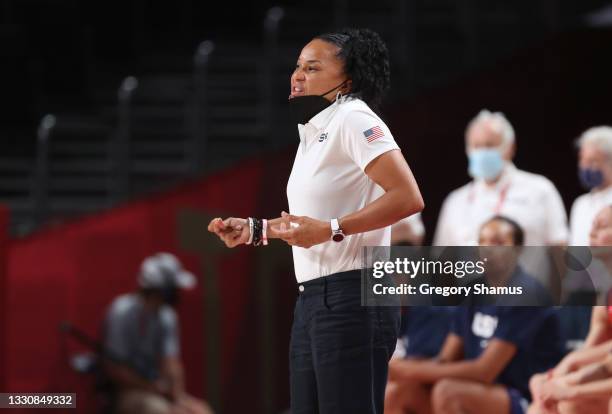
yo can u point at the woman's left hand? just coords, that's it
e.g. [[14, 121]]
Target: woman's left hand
[[306, 232]]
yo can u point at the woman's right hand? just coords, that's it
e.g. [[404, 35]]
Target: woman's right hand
[[232, 231]]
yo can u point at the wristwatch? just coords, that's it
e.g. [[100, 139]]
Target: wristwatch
[[337, 234]]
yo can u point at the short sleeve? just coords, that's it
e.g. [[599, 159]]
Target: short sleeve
[[557, 229], [115, 335], [409, 228], [460, 320], [519, 324], [170, 329], [575, 223], [443, 233], [416, 224], [365, 137]]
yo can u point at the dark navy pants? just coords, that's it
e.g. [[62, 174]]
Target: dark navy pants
[[340, 350]]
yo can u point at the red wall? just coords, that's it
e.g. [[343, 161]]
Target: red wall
[[3, 290], [73, 272]]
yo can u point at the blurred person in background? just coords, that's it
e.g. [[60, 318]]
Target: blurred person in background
[[141, 336], [409, 231], [423, 328], [501, 240], [601, 229], [595, 174], [498, 187], [582, 381], [487, 358]]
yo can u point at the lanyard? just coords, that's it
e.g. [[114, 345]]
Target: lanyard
[[500, 202]]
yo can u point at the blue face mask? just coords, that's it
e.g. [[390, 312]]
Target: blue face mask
[[590, 178], [485, 163]]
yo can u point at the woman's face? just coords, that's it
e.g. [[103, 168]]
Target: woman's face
[[318, 70]]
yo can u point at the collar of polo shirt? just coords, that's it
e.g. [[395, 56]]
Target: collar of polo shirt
[[322, 118], [318, 122]]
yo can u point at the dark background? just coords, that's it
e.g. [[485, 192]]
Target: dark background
[[213, 140], [539, 62]]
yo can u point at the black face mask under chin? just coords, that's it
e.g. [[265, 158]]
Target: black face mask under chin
[[303, 108]]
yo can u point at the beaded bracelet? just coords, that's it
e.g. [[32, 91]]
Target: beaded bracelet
[[250, 220], [257, 232]]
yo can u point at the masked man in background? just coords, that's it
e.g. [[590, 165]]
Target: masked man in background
[[141, 342]]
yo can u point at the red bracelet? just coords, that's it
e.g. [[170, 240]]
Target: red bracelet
[[264, 232]]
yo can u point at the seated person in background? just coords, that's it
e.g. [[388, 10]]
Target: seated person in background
[[142, 344], [487, 359], [424, 328], [423, 331], [501, 240], [595, 173], [582, 381]]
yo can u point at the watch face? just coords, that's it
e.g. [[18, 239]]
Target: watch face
[[338, 237]]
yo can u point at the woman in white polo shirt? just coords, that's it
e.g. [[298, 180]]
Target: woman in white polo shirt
[[349, 183]]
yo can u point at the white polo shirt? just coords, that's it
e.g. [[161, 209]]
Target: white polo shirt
[[328, 181], [529, 199], [583, 212]]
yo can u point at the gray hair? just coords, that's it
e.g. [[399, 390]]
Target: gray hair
[[599, 136], [498, 122]]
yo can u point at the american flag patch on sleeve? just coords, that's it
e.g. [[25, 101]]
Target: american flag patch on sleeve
[[373, 133]]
